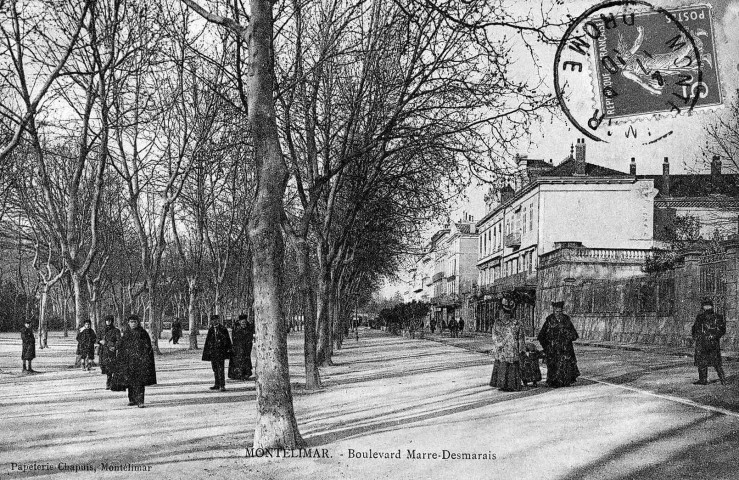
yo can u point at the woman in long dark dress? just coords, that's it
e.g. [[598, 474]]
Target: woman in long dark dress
[[509, 343], [239, 366], [556, 337], [28, 352], [135, 367], [108, 346]]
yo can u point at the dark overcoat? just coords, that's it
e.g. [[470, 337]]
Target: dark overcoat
[[707, 331], [86, 341], [29, 344], [135, 360], [556, 337], [240, 366], [176, 331], [217, 344], [112, 337]]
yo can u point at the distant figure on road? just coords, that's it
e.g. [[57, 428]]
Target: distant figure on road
[[708, 329], [460, 326], [530, 371], [509, 343], [135, 369], [452, 327], [176, 331], [432, 326], [28, 352], [108, 347], [556, 337], [216, 350], [86, 340], [240, 367]]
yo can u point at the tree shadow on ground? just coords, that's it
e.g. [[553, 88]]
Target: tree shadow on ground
[[706, 454]]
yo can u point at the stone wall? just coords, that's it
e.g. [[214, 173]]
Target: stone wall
[[615, 301]]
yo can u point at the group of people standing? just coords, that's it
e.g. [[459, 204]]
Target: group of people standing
[[127, 357], [516, 362], [453, 325], [219, 347]]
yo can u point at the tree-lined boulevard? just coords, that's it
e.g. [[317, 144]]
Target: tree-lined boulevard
[[632, 415]]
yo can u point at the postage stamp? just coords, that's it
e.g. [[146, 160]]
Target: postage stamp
[[626, 61], [652, 65]]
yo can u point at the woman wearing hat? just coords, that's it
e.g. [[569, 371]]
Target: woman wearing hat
[[108, 345], [135, 362], [556, 337], [707, 331], [28, 352], [509, 343]]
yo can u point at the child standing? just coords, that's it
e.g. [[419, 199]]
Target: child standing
[[530, 371], [86, 341]]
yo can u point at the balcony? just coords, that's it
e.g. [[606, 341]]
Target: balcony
[[446, 300], [437, 277], [513, 240], [593, 255], [428, 281]]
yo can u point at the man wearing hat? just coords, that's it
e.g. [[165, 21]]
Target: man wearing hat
[[556, 337], [108, 345], [707, 331], [135, 363], [29, 346], [216, 350]]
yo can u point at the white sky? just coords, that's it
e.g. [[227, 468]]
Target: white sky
[[553, 137]]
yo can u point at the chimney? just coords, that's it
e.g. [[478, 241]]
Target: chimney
[[666, 178], [632, 166], [580, 157], [716, 170]]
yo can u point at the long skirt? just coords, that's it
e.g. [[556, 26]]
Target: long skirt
[[506, 376], [562, 371]]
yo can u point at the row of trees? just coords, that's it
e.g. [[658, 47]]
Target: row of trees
[[275, 157]]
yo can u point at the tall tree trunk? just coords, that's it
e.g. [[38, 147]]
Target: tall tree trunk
[[43, 322], [191, 316], [323, 353], [312, 375], [80, 302], [276, 425], [153, 319]]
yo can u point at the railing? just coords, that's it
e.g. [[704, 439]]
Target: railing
[[590, 255], [513, 239], [437, 277]]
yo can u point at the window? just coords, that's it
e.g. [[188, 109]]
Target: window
[[495, 238], [523, 225], [484, 243], [531, 216]]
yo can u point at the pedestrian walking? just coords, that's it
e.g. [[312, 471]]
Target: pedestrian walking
[[508, 345], [530, 371], [707, 331], [216, 350], [108, 346], [460, 326], [240, 367], [28, 350], [432, 326], [134, 367], [176, 331], [86, 341], [556, 337]]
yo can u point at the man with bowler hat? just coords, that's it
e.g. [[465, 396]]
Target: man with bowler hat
[[707, 331], [216, 350]]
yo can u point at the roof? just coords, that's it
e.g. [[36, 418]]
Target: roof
[[697, 185], [710, 201], [567, 169], [463, 227]]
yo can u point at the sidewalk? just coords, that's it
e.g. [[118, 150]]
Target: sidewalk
[[480, 342]]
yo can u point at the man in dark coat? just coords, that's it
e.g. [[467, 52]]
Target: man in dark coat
[[556, 337], [708, 329], [135, 367], [86, 341], [216, 350], [240, 367], [29, 346], [460, 326], [108, 346], [452, 327], [176, 331]]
